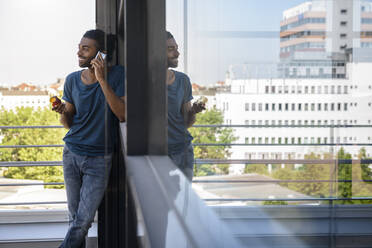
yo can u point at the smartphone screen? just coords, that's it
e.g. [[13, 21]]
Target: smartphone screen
[[103, 55]]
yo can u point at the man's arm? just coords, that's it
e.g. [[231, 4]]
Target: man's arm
[[67, 111], [190, 111], [117, 104]]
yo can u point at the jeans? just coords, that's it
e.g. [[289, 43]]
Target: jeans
[[185, 161], [86, 179]]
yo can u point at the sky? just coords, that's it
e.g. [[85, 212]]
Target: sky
[[39, 38]]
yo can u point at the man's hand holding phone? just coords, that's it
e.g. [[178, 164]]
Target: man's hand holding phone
[[57, 105], [98, 64]]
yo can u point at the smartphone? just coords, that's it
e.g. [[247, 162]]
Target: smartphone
[[103, 55]]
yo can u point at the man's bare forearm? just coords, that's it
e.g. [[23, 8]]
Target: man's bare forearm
[[66, 120], [191, 118]]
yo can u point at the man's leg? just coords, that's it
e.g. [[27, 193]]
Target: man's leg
[[185, 161], [71, 173], [95, 176]]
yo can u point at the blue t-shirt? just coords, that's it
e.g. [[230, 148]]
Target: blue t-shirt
[[179, 92], [87, 133]]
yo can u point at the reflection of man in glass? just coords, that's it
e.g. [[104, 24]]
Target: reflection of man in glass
[[181, 113], [92, 131]]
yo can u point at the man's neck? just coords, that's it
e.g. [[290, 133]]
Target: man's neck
[[171, 77]]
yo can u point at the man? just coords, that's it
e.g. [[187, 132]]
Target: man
[[92, 129], [181, 113]]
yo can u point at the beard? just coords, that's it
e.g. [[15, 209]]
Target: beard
[[87, 64], [172, 63]]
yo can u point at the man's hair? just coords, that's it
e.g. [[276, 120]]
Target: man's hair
[[97, 35], [102, 44], [169, 35]]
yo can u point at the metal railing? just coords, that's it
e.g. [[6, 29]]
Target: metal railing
[[330, 162], [8, 164]]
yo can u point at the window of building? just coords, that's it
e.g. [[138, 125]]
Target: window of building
[[325, 140], [343, 11], [280, 89], [339, 89], [273, 89], [280, 122], [266, 122], [326, 89], [253, 122], [246, 140], [272, 140], [279, 140], [286, 89], [247, 107], [266, 140], [286, 107], [306, 107], [260, 140], [299, 122], [280, 107], [299, 107], [319, 122], [293, 140], [273, 107], [332, 107], [273, 122], [299, 140], [266, 107], [260, 107], [306, 89], [267, 89], [260, 122], [306, 140], [246, 122], [313, 107], [306, 122], [345, 89], [253, 106], [343, 36], [285, 140], [319, 89], [343, 23], [293, 89], [319, 106], [253, 140], [338, 106], [299, 89], [312, 89], [332, 89]]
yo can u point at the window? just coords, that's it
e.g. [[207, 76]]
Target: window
[[246, 122], [338, 106], [343, 23], [272, 140], [332, 89], [319, 106], [253, 140], [293, 107], [247, 107], [306, 107], [260, 140], [266, 107], [293, 140], [279, 140], [319, 89], [339, 89], [273, 89], [285, 140], [326, 89], [293, 89], [299, 89], [299, 140], [286, 89], [266, 140], [345, 89], [260, 107], [267, 89], [312, 89], [313, 107], [299, 107], [253, 106], [343, 36], [343, 11], [280, 107], [273, 107], [246, 140], [332, 107], [306, 89], [286, 107], [280, 89]]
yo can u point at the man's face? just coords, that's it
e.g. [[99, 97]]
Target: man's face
[[172, 53], [87, 51]]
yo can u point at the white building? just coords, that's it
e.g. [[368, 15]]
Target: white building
[[310, 103], [11, 99]]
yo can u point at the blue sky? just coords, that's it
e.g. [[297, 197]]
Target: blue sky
[[39, 37]]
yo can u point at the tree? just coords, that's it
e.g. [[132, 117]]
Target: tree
[[212, 135], [26, 116]]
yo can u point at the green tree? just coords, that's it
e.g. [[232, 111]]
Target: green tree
[[26, 116], [212, 135]]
